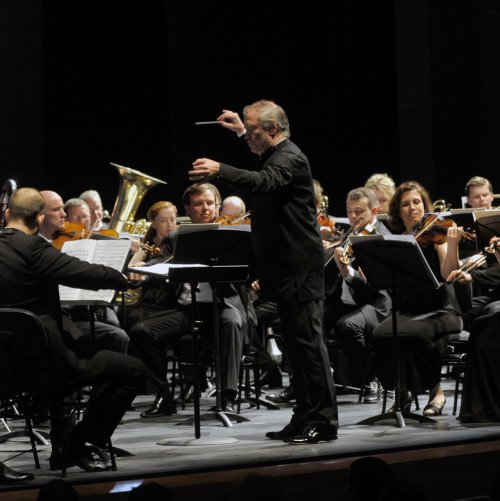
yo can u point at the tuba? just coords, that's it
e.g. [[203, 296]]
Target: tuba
[[133, 187], [9, 188]]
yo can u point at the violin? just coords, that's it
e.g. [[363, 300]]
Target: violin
[[357, 231], [150, 249], [229, 219], [77, 231], [433, 228]]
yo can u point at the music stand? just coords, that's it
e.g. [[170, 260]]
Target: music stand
[[226, 253], [394, 263], [487, 227]]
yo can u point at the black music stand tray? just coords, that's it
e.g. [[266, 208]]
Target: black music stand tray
[[487, 227], [226, 254], [394, 263]]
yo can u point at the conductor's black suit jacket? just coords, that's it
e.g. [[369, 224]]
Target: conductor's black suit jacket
[[30, 272], [286, 240]]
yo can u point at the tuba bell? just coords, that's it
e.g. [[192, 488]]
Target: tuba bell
[[133, 187]]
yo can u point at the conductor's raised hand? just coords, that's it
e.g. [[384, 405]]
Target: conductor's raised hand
[[204, 168], [231, 121]]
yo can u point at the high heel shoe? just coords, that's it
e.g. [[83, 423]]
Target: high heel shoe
[[433, 410]]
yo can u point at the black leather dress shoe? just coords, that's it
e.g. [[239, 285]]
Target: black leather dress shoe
[[84, 460], [313, 434], [290, 430], [287, 395], [104, 456], [161, 407], [9, 476]]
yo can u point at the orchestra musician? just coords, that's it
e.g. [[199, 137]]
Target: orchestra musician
[[232, 206], [77, 211], [30, 272], [384, 187], [107, 330], [151, 334], [94, 202], [289, 258], [352, 308], [424, 317], [481, 388], [479, 193]]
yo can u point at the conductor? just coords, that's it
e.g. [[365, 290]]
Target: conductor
[[289, 258]]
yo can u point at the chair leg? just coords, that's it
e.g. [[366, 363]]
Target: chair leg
[[240, 385], [256, 380], [112, 455], [457, 382], [34, 450]]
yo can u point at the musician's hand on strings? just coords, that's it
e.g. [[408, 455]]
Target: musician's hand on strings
[[459, 276], [231, 121], [204, 168], [454, 234], [343, 268]]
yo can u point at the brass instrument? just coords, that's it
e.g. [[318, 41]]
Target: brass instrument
[[137, 228], [440, 206], [133, 187], [9, 188]]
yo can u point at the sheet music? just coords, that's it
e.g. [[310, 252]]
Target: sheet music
[[162, 269], [112, 253]]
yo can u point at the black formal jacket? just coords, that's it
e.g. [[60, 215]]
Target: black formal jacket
[[30, 272], [489, 278], [285, 234]]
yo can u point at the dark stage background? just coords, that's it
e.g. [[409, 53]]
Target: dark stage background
[[410, 88]]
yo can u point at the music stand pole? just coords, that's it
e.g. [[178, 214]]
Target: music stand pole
[[196, 375], [378, 267]]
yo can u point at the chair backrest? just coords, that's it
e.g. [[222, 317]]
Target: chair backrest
[[23, 352]]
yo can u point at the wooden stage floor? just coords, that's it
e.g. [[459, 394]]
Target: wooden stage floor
[[447, 458]]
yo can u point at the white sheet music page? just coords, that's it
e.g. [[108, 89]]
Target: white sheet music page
[[162, 269], [112, 253]]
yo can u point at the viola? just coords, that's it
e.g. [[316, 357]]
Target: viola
[[77, 231]]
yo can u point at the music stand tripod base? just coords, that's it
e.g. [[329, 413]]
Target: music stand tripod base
[[198, 442], [223, 416], [399, 416]]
